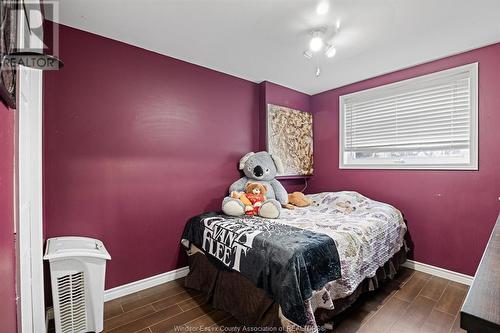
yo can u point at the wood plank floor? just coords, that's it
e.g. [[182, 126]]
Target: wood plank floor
[[413, 302]]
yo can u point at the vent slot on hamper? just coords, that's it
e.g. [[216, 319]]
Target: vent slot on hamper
[[71, 292]]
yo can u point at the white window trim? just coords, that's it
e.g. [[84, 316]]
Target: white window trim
[[474, 128]]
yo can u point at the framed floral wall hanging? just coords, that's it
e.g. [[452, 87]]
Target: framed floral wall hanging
[[290, 137]]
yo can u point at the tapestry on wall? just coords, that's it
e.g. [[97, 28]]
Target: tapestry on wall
[[290, 137]]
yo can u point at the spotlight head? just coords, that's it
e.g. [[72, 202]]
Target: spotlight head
[[330, 51], [316, 44]]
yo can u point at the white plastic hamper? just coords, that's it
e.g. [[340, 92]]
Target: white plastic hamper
[[77, 270]]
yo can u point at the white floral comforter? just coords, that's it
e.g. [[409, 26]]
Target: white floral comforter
[[367, 234]]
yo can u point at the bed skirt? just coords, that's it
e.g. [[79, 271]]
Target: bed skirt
[[231, 292]]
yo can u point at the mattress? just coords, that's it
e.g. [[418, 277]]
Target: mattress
[[366, 234]]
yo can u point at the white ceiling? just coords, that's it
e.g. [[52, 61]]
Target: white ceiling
[[264, 39]]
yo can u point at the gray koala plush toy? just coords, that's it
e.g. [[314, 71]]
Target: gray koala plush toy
[[261, 168]]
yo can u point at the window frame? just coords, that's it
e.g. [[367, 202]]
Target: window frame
[[473, 70]]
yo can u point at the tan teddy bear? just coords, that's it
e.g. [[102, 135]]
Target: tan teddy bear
[[252, 198]]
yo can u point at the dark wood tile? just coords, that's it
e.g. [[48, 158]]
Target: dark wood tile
[[412, 288], [148, 320], [361, 311], [452, 298], [349, 325], [375, 300], [193, 302], [152, 298], [180, 319], [166, 302], [386, 316], [226, 325], [403, 276], [456, 326], [412, 302], [461, 286], [422, 275], [434, 288], [112, 309], [438, 322], [146, 330], [414, 317], [207, 320], [362, 315], [128, 317]]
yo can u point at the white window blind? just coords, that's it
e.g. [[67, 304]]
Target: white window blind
[[425, 122]]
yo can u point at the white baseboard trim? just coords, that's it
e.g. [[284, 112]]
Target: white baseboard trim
[[133, 287], [441, 272], [146, 283]]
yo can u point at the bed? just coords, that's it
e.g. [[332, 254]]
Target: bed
[[300, 270]]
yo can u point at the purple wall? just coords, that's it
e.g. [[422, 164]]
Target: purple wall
[[135, 144], [127, 130], [7, 242], [450, 213], [271, 93]]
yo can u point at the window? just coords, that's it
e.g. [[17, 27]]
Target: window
[[428, 122]]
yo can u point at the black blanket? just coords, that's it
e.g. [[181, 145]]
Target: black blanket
[[287, 262]]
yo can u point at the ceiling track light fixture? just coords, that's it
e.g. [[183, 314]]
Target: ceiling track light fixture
[[317, 43]]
